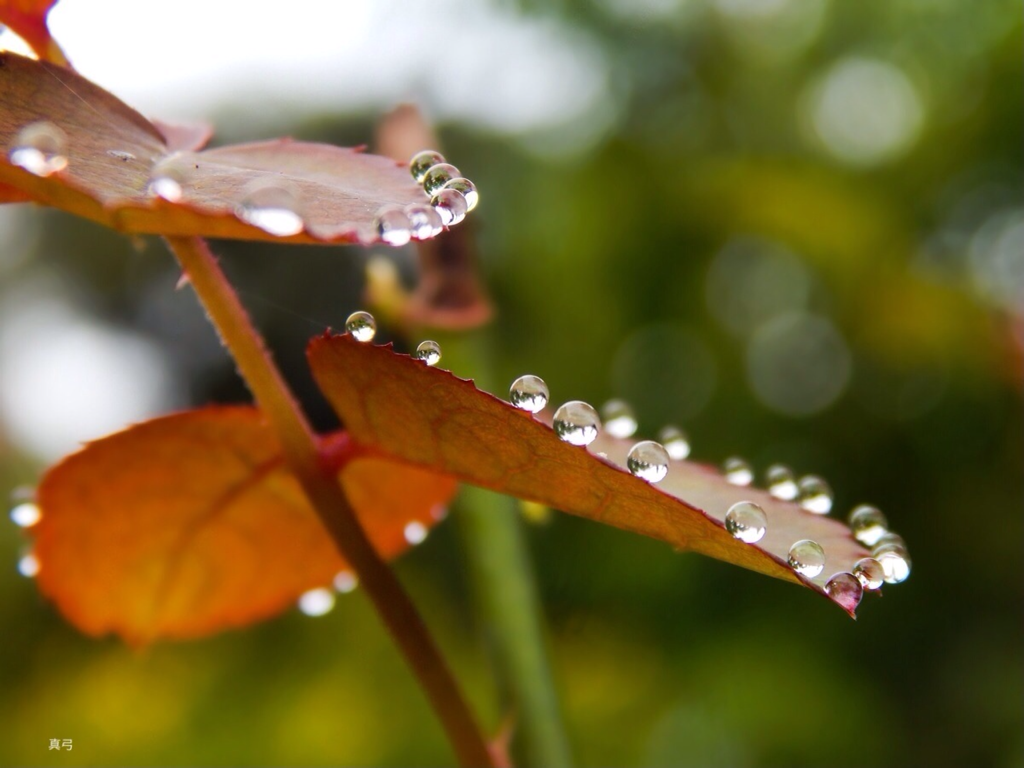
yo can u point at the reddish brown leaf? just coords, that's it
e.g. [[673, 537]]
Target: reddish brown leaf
[[28, 19], [431, 418], [191, 523], [114, 154]]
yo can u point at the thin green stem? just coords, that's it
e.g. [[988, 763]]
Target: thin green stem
[[299, 444], [506, 594]]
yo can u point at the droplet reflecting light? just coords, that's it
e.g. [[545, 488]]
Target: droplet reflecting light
[[781, 483], [428, 352], [815, 495], [422, 162], [28, 566], [26, 514], [424, 221], [737, 471], [746, 521], [529, 393], [361, 326], [40, 148], [648, 460], [415, 532], [316, 602], [345, 582], [618, 418], [869, 572], [272, 208], [450, 206], [807, 558], [845, 589], [868, 524], [468, 190], [439, 175], [577, 422], [393, 226], [676, 442]]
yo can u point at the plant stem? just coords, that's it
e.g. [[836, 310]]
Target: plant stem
[[506, 593], [299, 444]]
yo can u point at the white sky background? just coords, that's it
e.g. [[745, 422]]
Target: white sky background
[[462, 59]]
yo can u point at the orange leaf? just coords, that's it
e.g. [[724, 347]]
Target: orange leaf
[[28, 19], [433, 419], [191, 523], [274, 190]]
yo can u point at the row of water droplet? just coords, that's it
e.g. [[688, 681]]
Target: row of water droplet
[[451, 196], [362, 326], [578, 423]]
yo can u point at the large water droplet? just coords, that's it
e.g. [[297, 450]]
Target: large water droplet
[[869, 572], [647, 460], [422, 162], [345, 582], [40, 148], [468, 190], [529, 393], [28, 565], [272, 208], [675, 441], [361, 326], [424, 221], [815, 495], [888, 538], [429, 352], [845, 589], [393, 226], [737, 471], [781, 483], [415, 532], [450, 205], [807, 558], [618, 418], [168, 179], [895, 562], [316, 602], [577, 422], [26, 514], [746, 521], [438, 176], [868, 524]]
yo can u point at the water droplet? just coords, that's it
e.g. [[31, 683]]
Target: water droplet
[[618, 418], [361, 326], [450, 206], [529, 393], [428, 351], [28, 565], [468, 190], [647, 460], [577, 422], [807, 558], [121, 155], [746, 521], [422, 162], [845, 589], [895, 562], [737, 471], [345, 582], [168, 179], [888, 538], [676, 442], [438, 176], [393, 226], [415, 532], [40, 149], [868, 524], [26, 514], [781, 483], [272, 208], [869, 572], [424, 221], [316, 602], [815, 495]]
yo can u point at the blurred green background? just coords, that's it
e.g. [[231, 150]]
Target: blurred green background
[[793, 227]]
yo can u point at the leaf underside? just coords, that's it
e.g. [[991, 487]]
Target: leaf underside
[[434, 419], [192, 523], [114, 154]]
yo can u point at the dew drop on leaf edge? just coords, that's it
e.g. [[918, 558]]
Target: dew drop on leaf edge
[[316, 602], [675, 441], [807, 558], [529, 393], [26, 514], [746, 521], [345, 582], [869, 572], [648, 460], [895, 562], [438, 176], [28, 565], [845, 589], [868, 524], [428, 352], [40, 148], [361, 326], [577, 423], [393, 226], [618, 418], [468, 190], [815, 495], [415, 532], [424, 221], [450, 205], [780, 482], [737, 471], [422, 162]]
